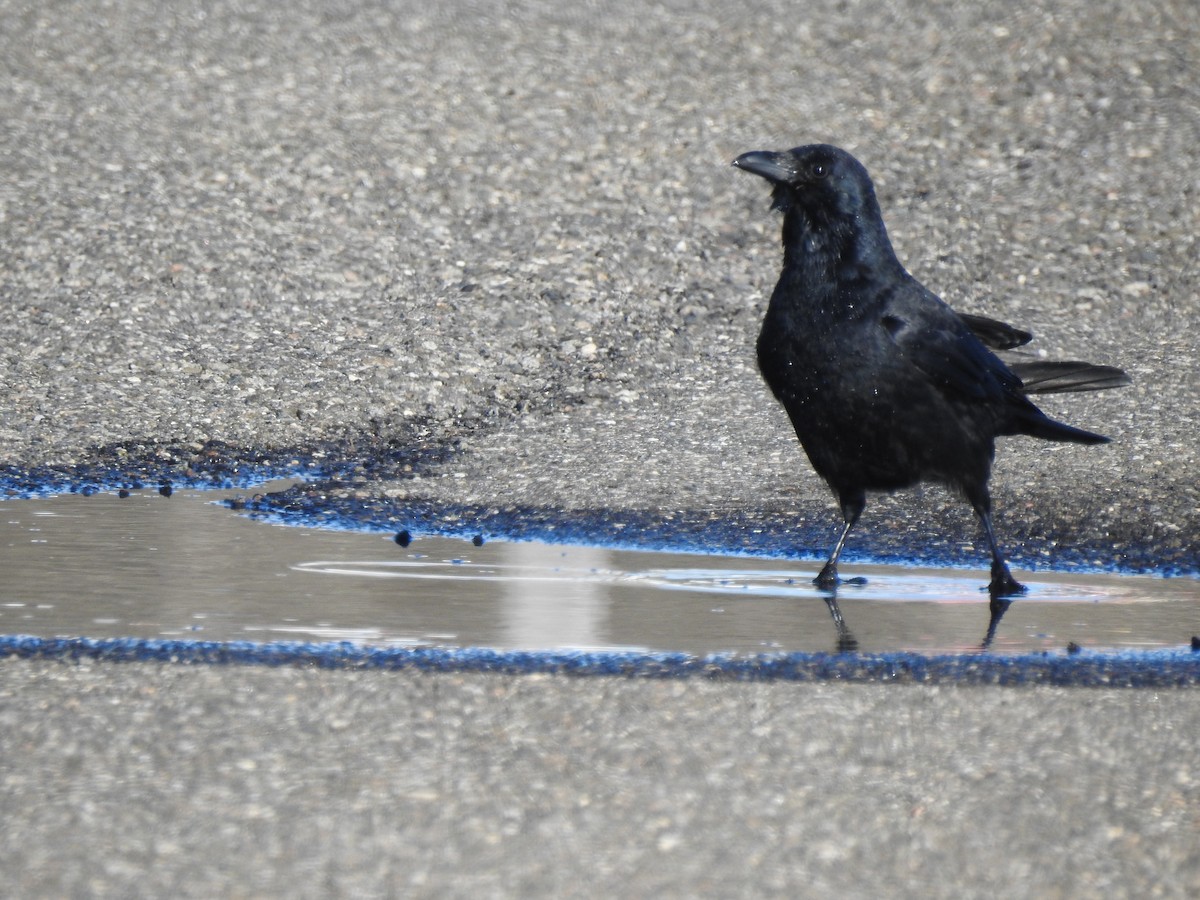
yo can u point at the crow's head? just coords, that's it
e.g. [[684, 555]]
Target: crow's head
[[823, 181]]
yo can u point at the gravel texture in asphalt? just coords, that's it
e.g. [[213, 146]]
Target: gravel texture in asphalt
[[352, 784]]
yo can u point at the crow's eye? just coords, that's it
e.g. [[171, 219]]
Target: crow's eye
[[819, 170]]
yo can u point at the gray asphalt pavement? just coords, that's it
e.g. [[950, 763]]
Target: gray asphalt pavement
[[310, 783], [509, 233]]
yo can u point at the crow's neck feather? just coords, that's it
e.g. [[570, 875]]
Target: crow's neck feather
[[837, 243]]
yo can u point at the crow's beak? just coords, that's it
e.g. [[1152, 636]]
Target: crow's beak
[[775, 167]]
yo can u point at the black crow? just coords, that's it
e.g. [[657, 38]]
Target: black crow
[[885, 384]]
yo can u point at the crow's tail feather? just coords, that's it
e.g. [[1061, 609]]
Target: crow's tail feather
[[1042, 426], [1042, 377]]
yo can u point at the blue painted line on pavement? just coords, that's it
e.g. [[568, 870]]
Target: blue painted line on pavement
[[1155, 669]]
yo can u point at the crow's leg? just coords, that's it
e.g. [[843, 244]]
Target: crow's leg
[[852, 507], [1002, 583]]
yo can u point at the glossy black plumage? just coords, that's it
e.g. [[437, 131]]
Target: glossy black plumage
[[886, 385]]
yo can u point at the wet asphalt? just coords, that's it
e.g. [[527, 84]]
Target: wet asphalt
[[492, 256]]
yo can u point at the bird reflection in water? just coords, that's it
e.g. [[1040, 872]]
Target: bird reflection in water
[[998, 604]]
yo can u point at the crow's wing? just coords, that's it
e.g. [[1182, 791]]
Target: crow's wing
[[939, 343], [996, 334]]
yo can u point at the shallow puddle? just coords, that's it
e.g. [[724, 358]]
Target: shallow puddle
[[183, 566]]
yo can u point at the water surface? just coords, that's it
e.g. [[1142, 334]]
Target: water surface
[[183, 566]]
